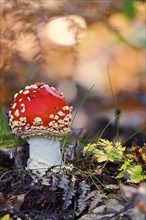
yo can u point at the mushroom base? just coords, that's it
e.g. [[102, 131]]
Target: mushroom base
[[43, 153]]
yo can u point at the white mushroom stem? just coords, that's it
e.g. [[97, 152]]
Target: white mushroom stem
[[43, 153]]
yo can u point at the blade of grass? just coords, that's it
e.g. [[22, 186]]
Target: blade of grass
[[113, 119], [136, 132], [117, 110], [88, 136], [84, 98], [115, 104]]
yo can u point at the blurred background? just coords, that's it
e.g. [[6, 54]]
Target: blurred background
[[91, 50]]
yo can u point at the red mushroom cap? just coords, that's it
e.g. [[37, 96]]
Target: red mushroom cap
[[40, 110]]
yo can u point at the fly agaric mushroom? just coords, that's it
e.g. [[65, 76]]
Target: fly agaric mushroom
[[42, 115]]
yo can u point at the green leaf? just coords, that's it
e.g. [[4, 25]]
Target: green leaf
[[89, 147], [135, 172], [120, 175], [7, 138], [129, 8], [100, 155], [105, 150], [5, 217], [125, 165]]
